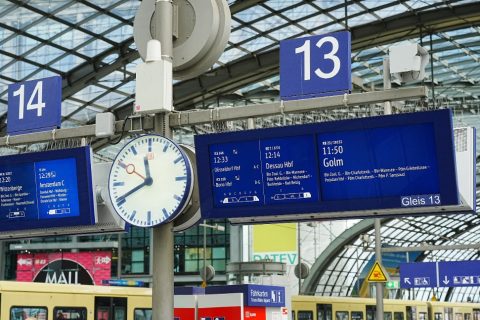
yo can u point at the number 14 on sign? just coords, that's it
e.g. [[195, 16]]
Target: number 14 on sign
[[34, 105]]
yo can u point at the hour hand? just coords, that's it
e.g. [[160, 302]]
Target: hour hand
[[147, 167], [122, 198]]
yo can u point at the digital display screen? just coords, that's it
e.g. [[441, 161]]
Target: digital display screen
[[360, 164], [46, 189]]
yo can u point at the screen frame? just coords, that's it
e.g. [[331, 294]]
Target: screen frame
[[445, 154], [86, 197]]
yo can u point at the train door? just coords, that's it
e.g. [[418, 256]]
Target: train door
[[476, 314], [324, 311], [109, 308], [371, 312]]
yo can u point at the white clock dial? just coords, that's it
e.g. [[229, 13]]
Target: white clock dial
[[150, 181]]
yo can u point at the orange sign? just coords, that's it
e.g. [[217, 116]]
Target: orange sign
[[377, 274]]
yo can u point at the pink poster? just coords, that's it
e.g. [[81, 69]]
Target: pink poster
[[65, 267]]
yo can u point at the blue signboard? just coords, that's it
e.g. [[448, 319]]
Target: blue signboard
[[254, 295], [440, 274], [367, 164], [34, 105], [46, 190], [315, 66], [459, 273], [418, 275]]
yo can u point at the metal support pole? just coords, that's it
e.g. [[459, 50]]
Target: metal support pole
[[204, 272], [378, 256], [299, 240], [163, 240], [387, 84]]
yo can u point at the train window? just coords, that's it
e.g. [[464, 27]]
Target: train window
[[358, 315], [109, 308], [28, 313], [142, 314], [467, 316], [422, 316], [341, 315], [448, 313], [387, 316], [398, 316], [438, 316], [324, 311], [371, 310], [69, 313], [458, 316], [411, 313], [305, 315], [476, 314]]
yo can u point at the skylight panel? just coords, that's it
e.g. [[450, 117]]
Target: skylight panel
[[19, 45], [252, 13], [72, 39], [18, 70], [75, 13], [127, 9], [48, 6], [257, 44], [67, 63], [93, 48], [47, 29], [269, 23], [299, 12], [120, 34], [20, 18], [280, 4], [391, 11], [100, 24], [242, 34], [230, 55], [44, 54], [286, 32]]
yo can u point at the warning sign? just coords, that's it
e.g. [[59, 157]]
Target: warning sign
[[377, 274]]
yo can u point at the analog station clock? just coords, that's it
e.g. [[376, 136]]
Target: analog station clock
[[150, 181]]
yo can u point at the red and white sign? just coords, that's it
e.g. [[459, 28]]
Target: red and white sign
[[89, 267]]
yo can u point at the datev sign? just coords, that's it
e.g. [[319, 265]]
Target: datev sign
[[315, 66], [353, 168]]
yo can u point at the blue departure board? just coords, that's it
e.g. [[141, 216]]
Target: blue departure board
[[46, 190], [376, 163]]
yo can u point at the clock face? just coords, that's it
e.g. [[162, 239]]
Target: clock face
[[150, 181]]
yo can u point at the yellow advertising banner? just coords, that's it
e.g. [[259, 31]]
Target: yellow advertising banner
[[275, 242]]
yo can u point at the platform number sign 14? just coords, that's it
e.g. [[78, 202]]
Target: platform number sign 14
[[315, 66], [34, 105]]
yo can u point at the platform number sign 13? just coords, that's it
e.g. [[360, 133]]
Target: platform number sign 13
[[34, 105], [315, 66]]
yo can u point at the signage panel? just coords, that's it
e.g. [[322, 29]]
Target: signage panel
[[34, 105], [459, 273], [315, 66], [418, 275], [387, 162], [46, 190], [440, 274], [254, 295]]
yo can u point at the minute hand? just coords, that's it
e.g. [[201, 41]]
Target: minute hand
[[141, 185]]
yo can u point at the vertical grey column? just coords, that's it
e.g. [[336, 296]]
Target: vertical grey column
[[378, 255], [378, 241], [163, 242], [2, 260]]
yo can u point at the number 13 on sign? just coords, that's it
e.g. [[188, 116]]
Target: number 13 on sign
[[315, 66]]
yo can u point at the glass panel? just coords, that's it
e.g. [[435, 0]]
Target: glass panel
[[142, 314], [398, 316], [28, 313], [305, 315], [458, 316], [69, 313], [422, 316], [387, 316], [438, 316], [341, 315], [357, 315]]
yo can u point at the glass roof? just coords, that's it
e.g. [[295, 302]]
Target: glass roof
[[89, 43]]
